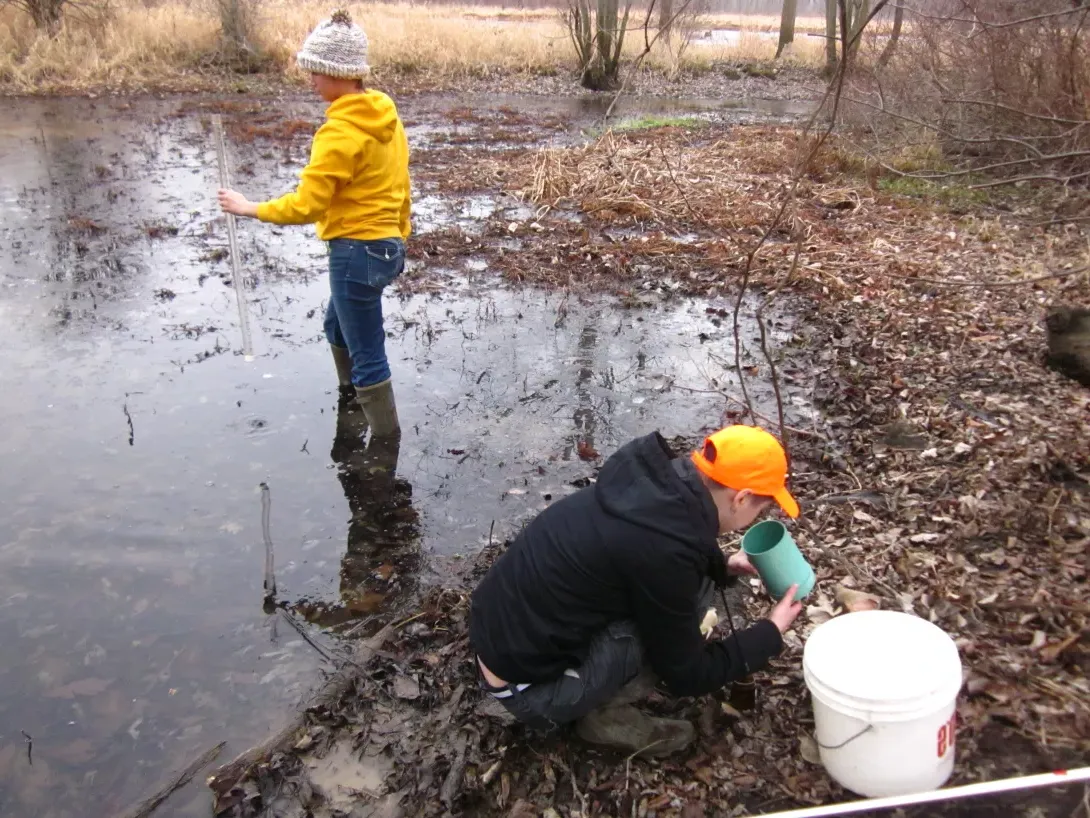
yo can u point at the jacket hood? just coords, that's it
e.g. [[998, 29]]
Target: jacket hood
[[644, 483], [372, 112]]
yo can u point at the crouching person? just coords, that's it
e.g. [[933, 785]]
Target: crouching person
[[603, 594]]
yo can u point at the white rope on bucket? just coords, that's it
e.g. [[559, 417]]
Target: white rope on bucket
[[1026, 782]]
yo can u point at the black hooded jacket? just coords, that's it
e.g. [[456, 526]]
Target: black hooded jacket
[[635, 545]]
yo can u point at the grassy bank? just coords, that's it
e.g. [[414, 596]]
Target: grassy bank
[[177, 45]]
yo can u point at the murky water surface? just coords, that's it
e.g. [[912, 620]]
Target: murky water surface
[[134, 438]]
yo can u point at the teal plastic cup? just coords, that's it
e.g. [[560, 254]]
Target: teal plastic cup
[[778, 561]]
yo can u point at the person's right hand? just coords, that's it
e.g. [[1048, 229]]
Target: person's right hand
[[231, 201], [786, 610]]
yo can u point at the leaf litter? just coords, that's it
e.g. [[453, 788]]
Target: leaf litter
[[947, 476]]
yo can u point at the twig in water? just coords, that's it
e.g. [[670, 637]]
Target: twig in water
[[405, 622], [29, 747], [757, 415], [148, 806], [270, 574], [304, 449], [128, 417], [491, 528], [299, 629]]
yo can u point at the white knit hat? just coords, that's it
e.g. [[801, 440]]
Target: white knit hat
[[336, 48]]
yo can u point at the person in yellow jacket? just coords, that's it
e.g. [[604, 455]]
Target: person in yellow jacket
[[356, 190]]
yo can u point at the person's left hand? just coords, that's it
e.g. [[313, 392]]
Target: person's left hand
[[231, 201], [739, 563]]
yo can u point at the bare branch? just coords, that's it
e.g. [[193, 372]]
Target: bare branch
[[1011, 110], [760, 314], [1060, 180], [992, 25], [988, 140]]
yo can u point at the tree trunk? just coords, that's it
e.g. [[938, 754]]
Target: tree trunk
[[787, 25], [666, 19], [46, 15], [598, 37], [830, 36], [894, 37], [859, 11], [580, 19], [607, 31]]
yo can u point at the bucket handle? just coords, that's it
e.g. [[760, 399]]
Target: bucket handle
[[846, 742]]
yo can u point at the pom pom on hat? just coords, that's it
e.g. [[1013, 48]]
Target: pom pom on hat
[[336, 48]]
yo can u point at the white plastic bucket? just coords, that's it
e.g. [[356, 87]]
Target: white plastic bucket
[[884, 687]]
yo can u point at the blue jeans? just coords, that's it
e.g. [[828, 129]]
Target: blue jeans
[[358, 272]]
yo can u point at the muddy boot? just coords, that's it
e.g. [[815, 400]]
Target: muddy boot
[[343, 362], [632, 731], [636, 689], [379, 407]]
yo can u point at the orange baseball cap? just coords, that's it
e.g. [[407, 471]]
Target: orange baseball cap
[[745, 457]]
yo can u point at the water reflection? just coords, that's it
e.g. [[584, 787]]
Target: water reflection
[[382, 554], [585, 416]]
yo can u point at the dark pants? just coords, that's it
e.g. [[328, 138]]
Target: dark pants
[[615, 657], [358, 272]]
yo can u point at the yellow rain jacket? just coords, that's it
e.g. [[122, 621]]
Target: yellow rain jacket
[[356, 185]]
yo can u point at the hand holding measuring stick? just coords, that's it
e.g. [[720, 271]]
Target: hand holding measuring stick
[[233, 202]]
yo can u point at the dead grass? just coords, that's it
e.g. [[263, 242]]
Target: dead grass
[[177, 45]]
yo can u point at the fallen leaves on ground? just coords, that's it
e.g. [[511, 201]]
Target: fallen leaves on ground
[[854, 600], [942, 470]]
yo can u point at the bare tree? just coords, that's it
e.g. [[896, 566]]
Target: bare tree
[[830, 36], [666, 19], [787, 25], [894, 36], [597, 32], [238, 43], [850, 17], [988, 92], [47, 15]]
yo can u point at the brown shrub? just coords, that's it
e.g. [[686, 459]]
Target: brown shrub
[[999, 87]]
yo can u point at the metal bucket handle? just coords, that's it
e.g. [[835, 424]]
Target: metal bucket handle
[[846, 742]]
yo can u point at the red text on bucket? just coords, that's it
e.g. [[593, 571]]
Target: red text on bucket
[[946, 735]]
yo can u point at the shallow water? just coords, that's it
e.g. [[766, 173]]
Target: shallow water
[[135, 438]]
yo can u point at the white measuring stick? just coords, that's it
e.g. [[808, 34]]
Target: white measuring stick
[[232, 246], [967, 791]]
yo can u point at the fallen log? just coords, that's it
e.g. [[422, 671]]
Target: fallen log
[[231, 774], [149, 805]]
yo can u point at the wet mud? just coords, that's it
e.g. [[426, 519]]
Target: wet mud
[[136, 438]]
